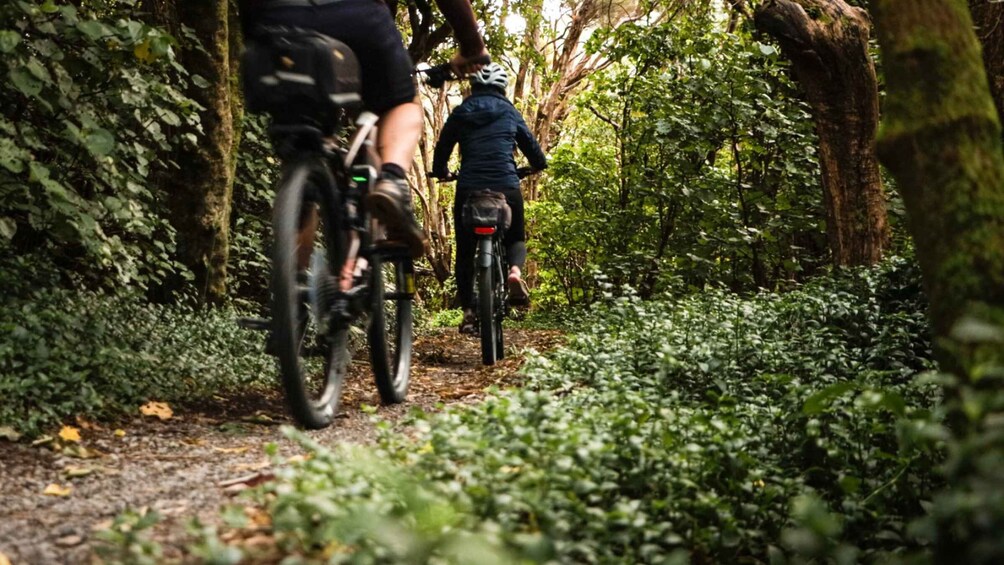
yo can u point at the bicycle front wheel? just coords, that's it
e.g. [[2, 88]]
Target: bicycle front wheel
[[313, 354], [486, 301], [390, 331]]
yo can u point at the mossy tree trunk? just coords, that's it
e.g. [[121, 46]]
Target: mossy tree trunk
[[201, 186], [827, 44], [941, 139]]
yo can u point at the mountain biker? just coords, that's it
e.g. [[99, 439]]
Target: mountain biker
[[388, 88], [488, 128]]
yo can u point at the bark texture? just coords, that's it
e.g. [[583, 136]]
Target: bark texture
[[202, 185], [941, 138], [827, 44]]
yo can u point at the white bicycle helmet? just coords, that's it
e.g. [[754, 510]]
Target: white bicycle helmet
[[491, 75]]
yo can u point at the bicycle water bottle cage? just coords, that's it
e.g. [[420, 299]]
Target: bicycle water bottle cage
[[299, 76], [487, 209]]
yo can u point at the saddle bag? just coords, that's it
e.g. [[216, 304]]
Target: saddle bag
[[300, 77], [487, 208]]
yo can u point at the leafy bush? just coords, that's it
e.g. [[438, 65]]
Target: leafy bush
[[88, 353], [712, 428], [90, 102]]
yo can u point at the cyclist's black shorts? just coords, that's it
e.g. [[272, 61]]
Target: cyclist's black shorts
[[367, 27]]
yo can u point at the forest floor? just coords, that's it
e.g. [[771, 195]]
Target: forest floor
[[188, 465]]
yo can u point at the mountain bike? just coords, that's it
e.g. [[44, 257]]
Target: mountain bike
[[333, 269], [487, 215]]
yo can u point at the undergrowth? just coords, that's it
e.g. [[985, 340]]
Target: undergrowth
[[708, 429], [70, 353]]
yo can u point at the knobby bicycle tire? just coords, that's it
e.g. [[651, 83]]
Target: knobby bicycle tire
[[486, 301], [391, 324], [312, 391]]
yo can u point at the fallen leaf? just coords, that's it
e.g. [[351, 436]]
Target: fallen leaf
[[231, 449], [73, 471], [69, 433], [42, 441], [10, 434], [70, 541], [119, 433], [251, 480], [56, 490], [193, 441], [81, 452], [159, 409]]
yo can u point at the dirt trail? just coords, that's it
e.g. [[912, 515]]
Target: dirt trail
[[176, 466]]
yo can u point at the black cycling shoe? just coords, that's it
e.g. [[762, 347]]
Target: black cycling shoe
[[390, 203]]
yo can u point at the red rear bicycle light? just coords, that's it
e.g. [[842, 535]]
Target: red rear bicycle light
[[484, 230]]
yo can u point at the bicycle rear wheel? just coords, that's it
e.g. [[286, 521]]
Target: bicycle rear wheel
[[313, 355], [486, 301], [390, 331]]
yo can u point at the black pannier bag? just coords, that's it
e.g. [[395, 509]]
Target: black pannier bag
[[300, 77], [487, 208]]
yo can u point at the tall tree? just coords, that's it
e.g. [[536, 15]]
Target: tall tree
[[201, 186], [827, 43]]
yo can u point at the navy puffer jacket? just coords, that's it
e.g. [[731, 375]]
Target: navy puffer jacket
[[488, 128]]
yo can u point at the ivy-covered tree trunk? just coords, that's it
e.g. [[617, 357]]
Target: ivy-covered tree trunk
[[827, 43], [941, 139], [201, 186]]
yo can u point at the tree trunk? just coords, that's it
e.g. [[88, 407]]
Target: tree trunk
[[827, 43], [200, 189], [941, 140], [988, 17]]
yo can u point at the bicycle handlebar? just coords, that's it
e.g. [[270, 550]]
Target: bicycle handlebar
[[437, 76], [521, 172]]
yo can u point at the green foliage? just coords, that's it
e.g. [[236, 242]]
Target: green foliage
[[91, 102], [691, 162], [967, 516], [250, 231], [128, 540], [69, 353], [712, 428]]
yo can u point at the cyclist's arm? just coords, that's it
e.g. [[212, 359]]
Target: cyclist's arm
[[528, 145], [448, 138], [460, 15]]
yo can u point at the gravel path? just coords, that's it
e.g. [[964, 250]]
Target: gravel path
[[176, 466]]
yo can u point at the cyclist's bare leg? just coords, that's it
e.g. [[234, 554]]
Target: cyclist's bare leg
[[400, 130]]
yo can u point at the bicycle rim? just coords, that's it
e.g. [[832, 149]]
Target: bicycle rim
[[391, 325], [313, 358]]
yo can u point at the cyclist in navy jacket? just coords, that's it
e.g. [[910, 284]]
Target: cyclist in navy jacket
[[488, 128]]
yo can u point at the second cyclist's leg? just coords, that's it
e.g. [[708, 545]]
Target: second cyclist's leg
[[515, 243], [464, 268]]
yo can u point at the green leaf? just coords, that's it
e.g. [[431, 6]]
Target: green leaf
[[8, 227], [766, 50], [49, 7], [819, 401], [9, 40], [92, 29], [99, 142], [200, 82], [23, 80]]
